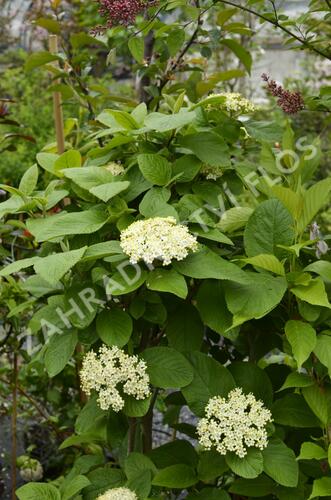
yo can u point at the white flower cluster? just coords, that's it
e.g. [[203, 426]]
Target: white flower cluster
[[212, 172], [112, 371], [115, 168], [157, 238], [31, 470], [234, 103], [234, 424], [118, 494]]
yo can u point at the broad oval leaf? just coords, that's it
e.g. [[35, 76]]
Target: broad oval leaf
[[280, 463], [167, 368], [114, 327], [210, 379], [249, 466], [270, 225]]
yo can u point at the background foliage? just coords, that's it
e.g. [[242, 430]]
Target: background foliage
[[250, 309]]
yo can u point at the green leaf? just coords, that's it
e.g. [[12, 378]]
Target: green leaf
[[47, 162], [321, 267], [49, 24], [10, 206], [209, 147], [163, 123], [136, 407], [114, 327], [254, 298], [268, 262], [82, 39], [101, 250], [89, 177], [210, 379], [140, 112], [164, 280], [280, 463], [124, 119], [155, 202], [185, 329], [243, 55], [38, 491], [103, 479], [155, 168], [323, 350], [296, 379], [29, 180], [53, 267], [136, 47], [84, 222], [207, 264], [136, 463], [248, 467], [89, 416], [186, 168], [107, 191], [270, 225], [209, 494], [212, 306], [16, 266], [141, 484], [235, 218], [176, 476], [314, 293], [211, 234], [293, 411], [225, 15], [88, 437], [259, 487], [211, 465], [317, 400], [302, 338], [321, 487], [126, 281], [264, 131], [59, 351], [174, 452], [38, 59], [314, 199], [167, 368], [311, 451], [253, 379], [289, 199], [82, 302], [69, 159], [74, 487]]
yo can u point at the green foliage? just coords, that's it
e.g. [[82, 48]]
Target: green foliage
[[248, 309]]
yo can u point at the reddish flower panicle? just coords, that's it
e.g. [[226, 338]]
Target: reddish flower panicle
[[122, 12], [290, 102]]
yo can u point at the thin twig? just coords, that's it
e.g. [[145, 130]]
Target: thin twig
[[14, 429], [275, 23], [43, 413]]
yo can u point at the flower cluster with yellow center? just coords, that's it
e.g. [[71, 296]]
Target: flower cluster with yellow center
[[113, 373], [234, 424], [157, 238]]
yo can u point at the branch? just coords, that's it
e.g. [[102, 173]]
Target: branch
[[43, 413], [277, 25], [174, 65]]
